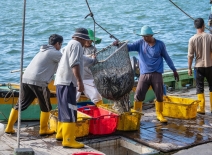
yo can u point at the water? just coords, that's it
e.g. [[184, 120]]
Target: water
[[119, 17]]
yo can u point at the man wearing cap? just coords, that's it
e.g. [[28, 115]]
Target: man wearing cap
[[90, 90], [69, 76], [151, 53]]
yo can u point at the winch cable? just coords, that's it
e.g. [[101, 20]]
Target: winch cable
[[184, 12], [94, 25], [92, 15]]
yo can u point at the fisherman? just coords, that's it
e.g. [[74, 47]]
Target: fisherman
[[151, 54], [69, 76], [35, 79], [90, 89], [200, 48]]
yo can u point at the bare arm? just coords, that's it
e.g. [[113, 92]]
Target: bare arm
[[76, 71], [190, 60]]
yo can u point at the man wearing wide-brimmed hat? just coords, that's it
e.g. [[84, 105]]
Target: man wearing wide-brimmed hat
[[69, 76], [151, 54], [90, 90]]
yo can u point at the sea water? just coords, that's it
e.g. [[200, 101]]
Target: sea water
[[121, 18]]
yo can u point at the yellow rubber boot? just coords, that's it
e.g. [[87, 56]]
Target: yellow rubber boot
[[44, 128], [211, 100], [59, 135], [138, 106], [159, 110], [11, 121], [201, 109], [68, 132], [99, 103]]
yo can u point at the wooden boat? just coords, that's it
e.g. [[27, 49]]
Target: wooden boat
[[9, 97], [10, 92]]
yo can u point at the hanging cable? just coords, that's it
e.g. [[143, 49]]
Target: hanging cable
[[91, 14], [184, 12]]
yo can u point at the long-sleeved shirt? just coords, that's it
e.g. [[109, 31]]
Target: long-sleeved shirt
[[72, 56], [43, 66], [200, 46], [151, 57]]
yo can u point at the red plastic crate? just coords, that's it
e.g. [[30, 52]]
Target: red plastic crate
[[102, 121]]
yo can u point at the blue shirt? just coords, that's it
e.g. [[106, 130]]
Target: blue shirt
[[151, 57]]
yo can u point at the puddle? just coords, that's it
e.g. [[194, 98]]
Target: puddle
[[120, 146]]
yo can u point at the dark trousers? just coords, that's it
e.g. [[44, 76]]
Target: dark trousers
[[145, 81], [201, 74], [30, 92], [67, 105]]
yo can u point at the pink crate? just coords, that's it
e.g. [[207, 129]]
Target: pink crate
[[102, 122]]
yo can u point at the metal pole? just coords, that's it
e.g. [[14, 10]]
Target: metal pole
[[21, 66]]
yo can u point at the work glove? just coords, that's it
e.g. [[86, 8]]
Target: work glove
[[176, 76]]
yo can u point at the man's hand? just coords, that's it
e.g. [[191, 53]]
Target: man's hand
[[190, 72], [80, 86], [176, 76], [116, 43]]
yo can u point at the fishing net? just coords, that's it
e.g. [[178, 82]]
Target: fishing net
[[113, 74]]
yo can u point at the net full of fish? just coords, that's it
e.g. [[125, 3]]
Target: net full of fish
[[113, 75]]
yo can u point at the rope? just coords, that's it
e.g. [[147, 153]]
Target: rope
[[184, 12], [91, 14]]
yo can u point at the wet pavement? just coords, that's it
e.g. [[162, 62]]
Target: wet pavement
[[178, 136]]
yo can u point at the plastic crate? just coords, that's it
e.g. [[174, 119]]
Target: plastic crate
[[128, 121], [82, 124], [102, 121], [177, 107]]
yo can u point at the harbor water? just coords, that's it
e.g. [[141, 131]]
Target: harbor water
[[119, 17]]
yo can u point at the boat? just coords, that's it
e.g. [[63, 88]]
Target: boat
[[9, 97], [10, 92]]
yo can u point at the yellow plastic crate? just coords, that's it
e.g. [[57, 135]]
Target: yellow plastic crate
[[82, 124], [128, 121], [177, 107]]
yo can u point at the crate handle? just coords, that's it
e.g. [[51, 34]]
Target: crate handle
[[131, 113], [84, 118], [111, 116], [197, 101]]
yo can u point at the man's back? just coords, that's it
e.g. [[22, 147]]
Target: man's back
[[200, 46], [42, 67]]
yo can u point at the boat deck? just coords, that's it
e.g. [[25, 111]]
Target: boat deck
[[167, 138]]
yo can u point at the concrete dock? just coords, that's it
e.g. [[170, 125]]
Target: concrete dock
[[178, 137]]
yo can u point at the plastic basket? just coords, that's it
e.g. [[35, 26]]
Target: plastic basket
[[177, 107], [102, 121], [82, 124], [127, 121]]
